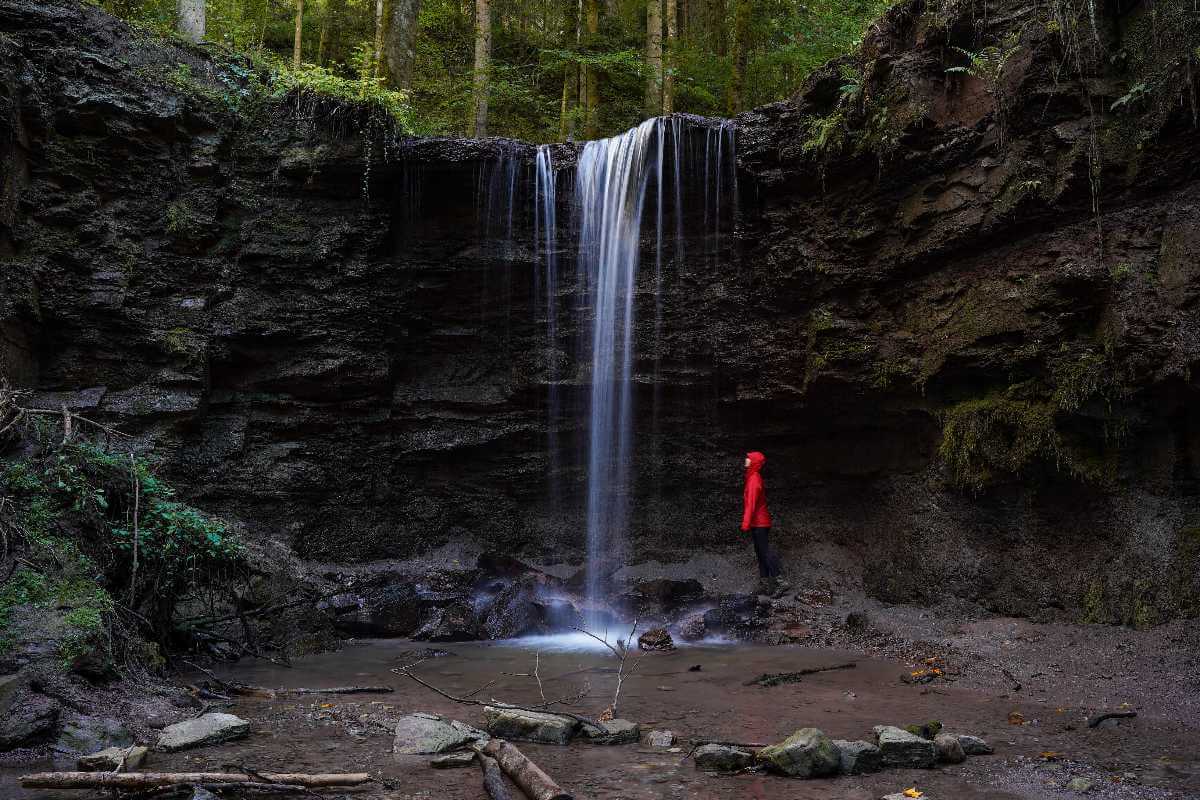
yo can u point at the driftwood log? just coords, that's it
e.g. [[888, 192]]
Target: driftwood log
[[493, 778], [776, 678], [524, 773], [151, 780]]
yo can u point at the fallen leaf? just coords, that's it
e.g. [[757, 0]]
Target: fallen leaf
[[1016, 718], [326, 705], [913, 792], [1051, 755]]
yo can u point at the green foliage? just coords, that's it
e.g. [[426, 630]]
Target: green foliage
[[995, 435]]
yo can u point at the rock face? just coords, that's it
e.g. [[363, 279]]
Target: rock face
[[900, 748], [204, 730], [427, 734], [529, 726], [938, 335], [807, 753], [26, 717], [722, 758], [859, 757]]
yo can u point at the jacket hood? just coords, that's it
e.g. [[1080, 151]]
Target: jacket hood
[[757, 460]]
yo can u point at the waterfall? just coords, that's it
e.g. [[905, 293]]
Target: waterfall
[[612, 187], [546, 236]]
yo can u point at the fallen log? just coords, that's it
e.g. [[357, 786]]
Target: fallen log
[[1095, 720], [493, 778], [698, 743], [776, 678], [150, 780], [535, 783]]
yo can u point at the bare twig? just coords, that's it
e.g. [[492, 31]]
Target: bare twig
[[537, 657], [470, 702]]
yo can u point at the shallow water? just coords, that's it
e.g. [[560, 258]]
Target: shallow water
[[348, 732]]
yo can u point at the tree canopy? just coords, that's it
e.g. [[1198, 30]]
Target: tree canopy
[[541, 70]]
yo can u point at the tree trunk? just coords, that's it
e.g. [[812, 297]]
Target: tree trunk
[[654, 58], [717, 32], [591, 82], [571, 73], [380, 22], [535, 783], [324, 38], [401, 42], [299, 34], [483, 64], [668, 103], [150, 780], [493, 778], [190, 19], [741, 55]]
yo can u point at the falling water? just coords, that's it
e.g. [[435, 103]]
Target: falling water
[[546, 234]]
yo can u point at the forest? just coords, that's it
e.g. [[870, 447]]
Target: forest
[[538, 70]]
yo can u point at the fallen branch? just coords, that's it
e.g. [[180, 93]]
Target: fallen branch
[[529, 776], [150, 780], [338, 690], [493, 778], [697, 743], [262, 788], [467, 701], [776, 678]]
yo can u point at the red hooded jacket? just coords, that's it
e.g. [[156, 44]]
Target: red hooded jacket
[[754, 497]]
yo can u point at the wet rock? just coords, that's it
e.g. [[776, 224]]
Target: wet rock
[[735, 615], [529, 726], [26, 717], [663, 595], [974, 746], [391, 607], [692, 628], [515, 611], [204, 730], [427, 734], [656, 639], [858, 757], [722, 758], [807, 753], [660, 738], [86, 734], [455, 623], [200, 793], [613, 731], [948, 749], [110, 758], [903, 749], [1080, 784], [453, 760]]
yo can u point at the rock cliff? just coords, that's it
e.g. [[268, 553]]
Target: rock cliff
[[958, 310]]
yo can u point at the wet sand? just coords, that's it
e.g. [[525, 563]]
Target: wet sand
[[1147, 758]]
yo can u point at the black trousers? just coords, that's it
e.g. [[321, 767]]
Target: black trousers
[[768, 562]]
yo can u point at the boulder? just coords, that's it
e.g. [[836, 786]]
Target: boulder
[[613, 731], [973, 745], [427, 734], [858, 757], [722, 758], [948, 749], [664, 595], [203, 730], [735, 615], [454, 623], [660, 738], [807, 753], [691, 628], [26, 717], [515, 611], [656, 639], [529, 726], [903, 749], [85, 734], [463, 758], [110, 758]]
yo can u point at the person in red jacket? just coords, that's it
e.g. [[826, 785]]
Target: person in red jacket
[[756, 520]]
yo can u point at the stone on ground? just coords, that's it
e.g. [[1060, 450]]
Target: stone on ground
[[529, 726], [110, 758], [902, 796], [691, 628], [1080, 784], [948, 748], [660, 739], [426, 734], [974, 746], [722, 758], [613, 731], [807, 753], [200, 793], [656, 639], [450, 760], [903, 749], [858, 757], [204, 730]]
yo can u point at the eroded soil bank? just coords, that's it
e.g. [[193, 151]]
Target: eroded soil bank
[[1066, 673]]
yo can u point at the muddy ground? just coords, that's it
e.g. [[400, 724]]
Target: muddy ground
[[1065, 672]]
